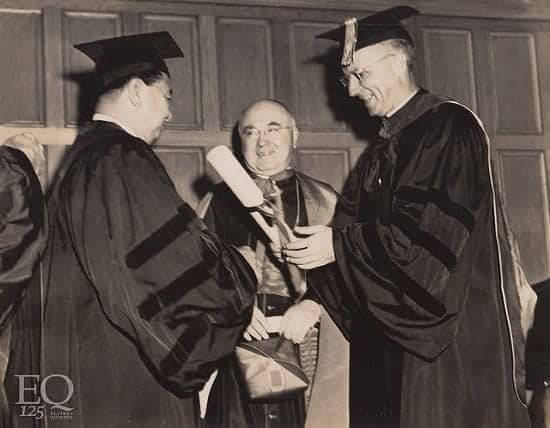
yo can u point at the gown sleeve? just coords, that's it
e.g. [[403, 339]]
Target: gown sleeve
[[180, 294], [22, 231], [398, 266]]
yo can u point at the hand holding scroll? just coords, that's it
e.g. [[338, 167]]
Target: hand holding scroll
[[312, 251]]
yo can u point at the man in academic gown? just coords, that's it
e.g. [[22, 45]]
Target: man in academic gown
[[23, 236], [269, 138], [141, 301], [413, 273], [537, 357]]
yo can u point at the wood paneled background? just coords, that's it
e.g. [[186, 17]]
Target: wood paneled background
[[491, 55]]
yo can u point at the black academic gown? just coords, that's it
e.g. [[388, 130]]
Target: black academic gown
[[23, 236], [537, 356], [417, 284], [538, 344], [140, 301]]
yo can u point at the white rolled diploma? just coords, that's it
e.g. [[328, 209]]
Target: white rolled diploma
[[240, 183]]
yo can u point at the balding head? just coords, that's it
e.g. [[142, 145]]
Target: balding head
[[268, 134], [267, 107]]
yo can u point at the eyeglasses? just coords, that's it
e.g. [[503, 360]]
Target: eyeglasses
[[251, 134], [362, 73]]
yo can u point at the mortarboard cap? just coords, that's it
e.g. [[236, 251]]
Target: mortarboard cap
[[121, 57], [356, 34]]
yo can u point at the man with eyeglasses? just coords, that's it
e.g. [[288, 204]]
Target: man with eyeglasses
[[141, 302], [411, 270], [269, 136]]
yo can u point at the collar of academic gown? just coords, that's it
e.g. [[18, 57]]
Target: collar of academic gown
[[421, 102]]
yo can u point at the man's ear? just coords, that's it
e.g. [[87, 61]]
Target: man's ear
[[134, 88], [294, 134], [401, 63], [239, 130]]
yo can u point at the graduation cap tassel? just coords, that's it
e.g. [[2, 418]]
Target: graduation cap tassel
[[350, 39]]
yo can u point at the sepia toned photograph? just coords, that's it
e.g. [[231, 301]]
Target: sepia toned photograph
[[274, 214]]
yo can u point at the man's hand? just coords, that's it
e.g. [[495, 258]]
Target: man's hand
[[299, 319], [311, 252], [276, 249], [257, 329]]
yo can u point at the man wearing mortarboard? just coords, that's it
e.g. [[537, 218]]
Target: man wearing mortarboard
[[140, 300], [412, 271]]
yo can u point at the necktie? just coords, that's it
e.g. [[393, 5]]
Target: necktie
[[382, 159]]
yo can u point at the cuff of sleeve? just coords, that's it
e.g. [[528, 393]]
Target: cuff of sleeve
[[310, 295]]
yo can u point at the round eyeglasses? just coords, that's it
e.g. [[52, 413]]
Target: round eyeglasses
[[251, 134], [361, 73]]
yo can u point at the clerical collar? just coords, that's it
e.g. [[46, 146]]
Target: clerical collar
[[106, 118], [288, 172], [405, 101]]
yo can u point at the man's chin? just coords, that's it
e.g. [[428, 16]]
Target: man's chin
[[265, 169], [154, 139], [373, 111], [271, 172]]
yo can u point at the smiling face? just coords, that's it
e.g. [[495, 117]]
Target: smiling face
[[268, 134], [377, 76]]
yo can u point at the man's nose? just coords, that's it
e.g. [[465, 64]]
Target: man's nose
[[169, 116], [262, 138]]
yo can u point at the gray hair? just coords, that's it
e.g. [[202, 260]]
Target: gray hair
[[406, 48]]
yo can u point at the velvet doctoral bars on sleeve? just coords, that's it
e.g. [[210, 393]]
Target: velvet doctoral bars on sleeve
[[398, 264], [178, 293]]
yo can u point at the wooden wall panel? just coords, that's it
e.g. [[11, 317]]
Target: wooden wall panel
[[245, 67], [330, 166], [449, 64], [523, 182], [516, 83], [184, 72], [185, 166], [542, 44], [315, 85], [237, 53], [22, 70], [79, 27]]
